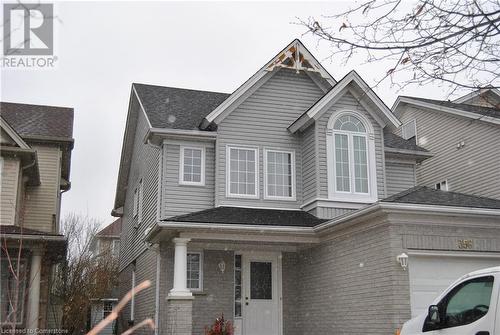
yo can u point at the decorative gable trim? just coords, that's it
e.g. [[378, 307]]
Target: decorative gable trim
[[454, 111], [352, 77], [294, 56], [13, 134]]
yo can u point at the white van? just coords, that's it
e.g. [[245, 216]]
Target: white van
[[469, 306]]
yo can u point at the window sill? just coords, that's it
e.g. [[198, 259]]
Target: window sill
[[191, 184]]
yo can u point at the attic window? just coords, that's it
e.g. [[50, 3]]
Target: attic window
[[409, 130]]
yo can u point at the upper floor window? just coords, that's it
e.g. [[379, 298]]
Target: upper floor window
[[279, 174], [192, 166], [242, 179], [137, 205], [351, 168]]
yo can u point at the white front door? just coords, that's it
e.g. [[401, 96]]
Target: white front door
[[260, 303]]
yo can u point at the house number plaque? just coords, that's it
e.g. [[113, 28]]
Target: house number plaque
[[465, 244]]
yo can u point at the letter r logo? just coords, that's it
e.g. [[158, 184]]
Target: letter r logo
[[28, 29]]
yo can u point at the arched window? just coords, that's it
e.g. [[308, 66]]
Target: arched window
[[351, 158]]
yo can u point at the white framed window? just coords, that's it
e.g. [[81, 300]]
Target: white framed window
[[351, 159], [442, 185], [107, 308], [140, 196], [194, 273], [192, 166], [409, 130], [242, 172], [279, 174]]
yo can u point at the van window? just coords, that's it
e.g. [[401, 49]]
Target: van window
[[467, 302]]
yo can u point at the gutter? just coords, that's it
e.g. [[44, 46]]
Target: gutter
[[179, 133], [30, 237]]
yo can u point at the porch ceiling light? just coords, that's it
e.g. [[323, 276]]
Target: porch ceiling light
[[403, 260]]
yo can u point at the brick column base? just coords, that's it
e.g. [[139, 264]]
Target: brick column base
[[180, 316]]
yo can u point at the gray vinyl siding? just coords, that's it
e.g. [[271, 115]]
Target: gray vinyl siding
[[309, 177], [348, 102], [329, 212], [472, 169], [261, 121], [182, 199], [399, 177], [9, 190], [143, 165], [145, 300], [41, 201]]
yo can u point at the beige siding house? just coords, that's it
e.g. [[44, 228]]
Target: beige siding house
[[291, 206], [36, 144]]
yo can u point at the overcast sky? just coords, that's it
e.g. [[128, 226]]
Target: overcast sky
[[102, 48]]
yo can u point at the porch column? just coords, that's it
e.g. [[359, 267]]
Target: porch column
[[180, 299], [34, 290], [180, 269]]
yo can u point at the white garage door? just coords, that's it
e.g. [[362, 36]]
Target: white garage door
[[430, 275]]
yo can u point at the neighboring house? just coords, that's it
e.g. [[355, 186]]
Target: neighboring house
[[106, 244], [464, 137], [289, 205], [36, 144]]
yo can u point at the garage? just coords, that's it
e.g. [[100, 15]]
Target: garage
[[430, 274]]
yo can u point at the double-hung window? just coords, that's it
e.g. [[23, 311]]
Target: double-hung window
[[194, 271], [12, 291], [243, 172], [279, 174], [351, 159], [192, 166]]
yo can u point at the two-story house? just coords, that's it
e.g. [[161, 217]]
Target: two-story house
[[463, 135], [106, 244], [290, 206], [36, 145]]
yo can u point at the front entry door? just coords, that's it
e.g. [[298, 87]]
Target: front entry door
[[260, 294]]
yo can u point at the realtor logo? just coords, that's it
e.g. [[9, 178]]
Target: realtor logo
[[28, 29]]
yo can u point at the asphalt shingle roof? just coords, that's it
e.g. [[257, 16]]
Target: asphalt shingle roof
[[250, 216], [37, 120], [394, 141], [486, 111], [177, 108], [429, 196], [113, 229]]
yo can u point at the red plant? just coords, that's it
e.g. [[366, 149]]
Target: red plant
[[220, 327]]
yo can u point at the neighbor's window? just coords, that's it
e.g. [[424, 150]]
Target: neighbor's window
[[243, 172], [12, 292], [279, 174], [443, 186], [351, 155], [194, 271], [192, 166], [107, 308]]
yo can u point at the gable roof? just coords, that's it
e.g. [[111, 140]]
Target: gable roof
[[294, 55], [488, 90], [39, 121], [250, 216], [487, 114], [114, 229], [177, 108], [352, 77], [428, 196], [392, 140], [16, 138]]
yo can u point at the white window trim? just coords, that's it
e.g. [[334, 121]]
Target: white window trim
[[270, 197], [140, 196], [199, 289], [136, 200], [333, 194], [181, 167], [447, 186], [228, 173], [103, 302]]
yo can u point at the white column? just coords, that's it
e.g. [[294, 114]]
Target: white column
[[34, 290], [180, 269]]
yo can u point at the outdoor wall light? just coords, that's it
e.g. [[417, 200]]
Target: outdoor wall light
[[403, 260], [222, 266]]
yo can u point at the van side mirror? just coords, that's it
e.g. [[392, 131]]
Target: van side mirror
[[433, 315]]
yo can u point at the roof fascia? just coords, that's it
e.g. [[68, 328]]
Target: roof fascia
[[13, 134], [142, 106], [156, 135], [417, 155], [234, 98], [454, 111]]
